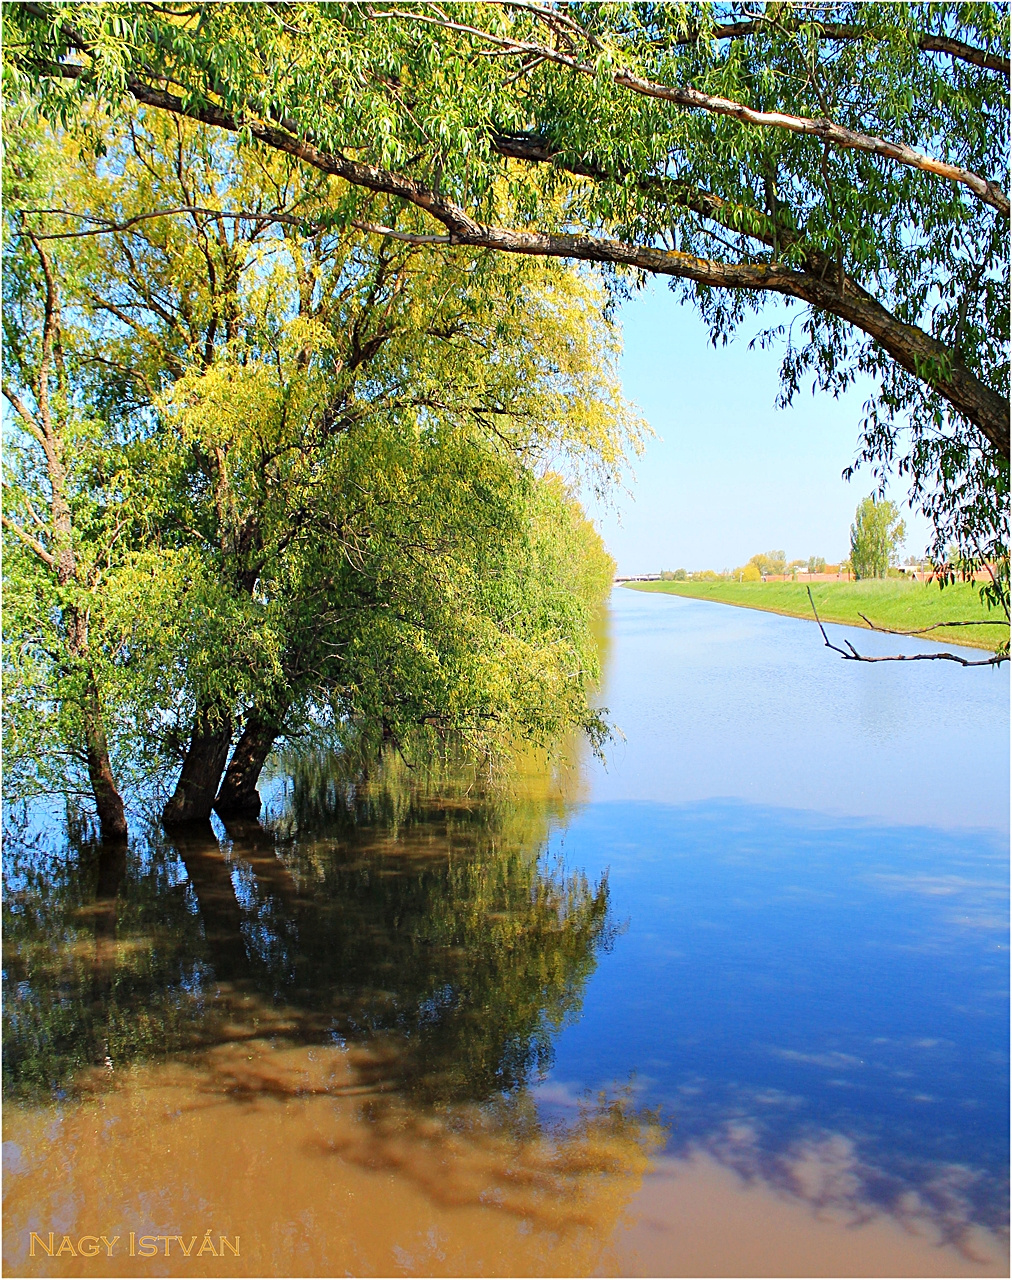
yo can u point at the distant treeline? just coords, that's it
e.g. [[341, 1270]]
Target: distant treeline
[[765, 564]]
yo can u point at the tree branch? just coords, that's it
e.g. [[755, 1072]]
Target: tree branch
[[828, 30], [685, 96], [839, 135], [852, 655], [106, 226], [24, 414], [50, 323], [538, 150], [957, 49], [32, 543], [844, 31], [914, 350], [377, 229], [986, 622], [37, 519]]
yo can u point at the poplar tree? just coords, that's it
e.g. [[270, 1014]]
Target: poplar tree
[[875, 537]]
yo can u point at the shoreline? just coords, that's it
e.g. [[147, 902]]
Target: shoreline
[[746, 596]]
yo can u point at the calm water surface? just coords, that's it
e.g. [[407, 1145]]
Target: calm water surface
[[733, 1002]]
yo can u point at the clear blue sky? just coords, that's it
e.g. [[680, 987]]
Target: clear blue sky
[[729, 474]]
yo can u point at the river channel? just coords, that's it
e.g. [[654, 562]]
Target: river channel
[[731, 1001]]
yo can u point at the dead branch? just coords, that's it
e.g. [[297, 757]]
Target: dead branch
[[852, 655], [985, 622]]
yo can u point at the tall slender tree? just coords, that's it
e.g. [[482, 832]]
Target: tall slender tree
[[875, 538], [57, 585]]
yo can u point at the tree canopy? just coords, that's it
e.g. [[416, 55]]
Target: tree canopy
[[845, 156], [768, 562], [313, 474], [875, 538]]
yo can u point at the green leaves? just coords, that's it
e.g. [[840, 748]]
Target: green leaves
[[875, 538], [334, 451]]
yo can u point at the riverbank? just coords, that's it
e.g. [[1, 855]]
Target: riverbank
[[891, 603]]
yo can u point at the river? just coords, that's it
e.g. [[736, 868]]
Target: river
[[732, 1001]]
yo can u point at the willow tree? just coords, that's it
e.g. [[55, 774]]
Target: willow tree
[[82, 581], [379, 524], [847, 157], [353, 441]]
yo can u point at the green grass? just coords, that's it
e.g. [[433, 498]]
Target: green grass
[[891, 602]]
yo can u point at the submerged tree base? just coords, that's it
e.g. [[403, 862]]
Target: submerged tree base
[[193, 798], [238, 795]]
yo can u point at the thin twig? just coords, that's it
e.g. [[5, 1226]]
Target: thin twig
[[986, 622], [105, 226]]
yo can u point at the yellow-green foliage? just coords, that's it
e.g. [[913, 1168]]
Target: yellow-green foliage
[[348, 459], [573, 544]]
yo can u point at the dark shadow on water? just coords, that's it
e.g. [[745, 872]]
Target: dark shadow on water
[[418, 919]]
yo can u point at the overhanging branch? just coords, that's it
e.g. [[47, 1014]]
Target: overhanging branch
[[685, 96], [927, 43], [917, 352]]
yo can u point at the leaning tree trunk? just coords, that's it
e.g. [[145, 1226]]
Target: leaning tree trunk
[[193, 797], [238, 795], [108, 801]]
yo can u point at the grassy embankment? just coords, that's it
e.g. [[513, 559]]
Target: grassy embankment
[[891, 602]]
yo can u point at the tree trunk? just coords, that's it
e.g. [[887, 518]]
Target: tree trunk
[[193, 797], [49, 430], [238, 795], [108, 801]]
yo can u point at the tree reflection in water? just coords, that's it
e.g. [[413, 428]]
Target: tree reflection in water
[[404, 923], [416, 913], [354, 997]]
